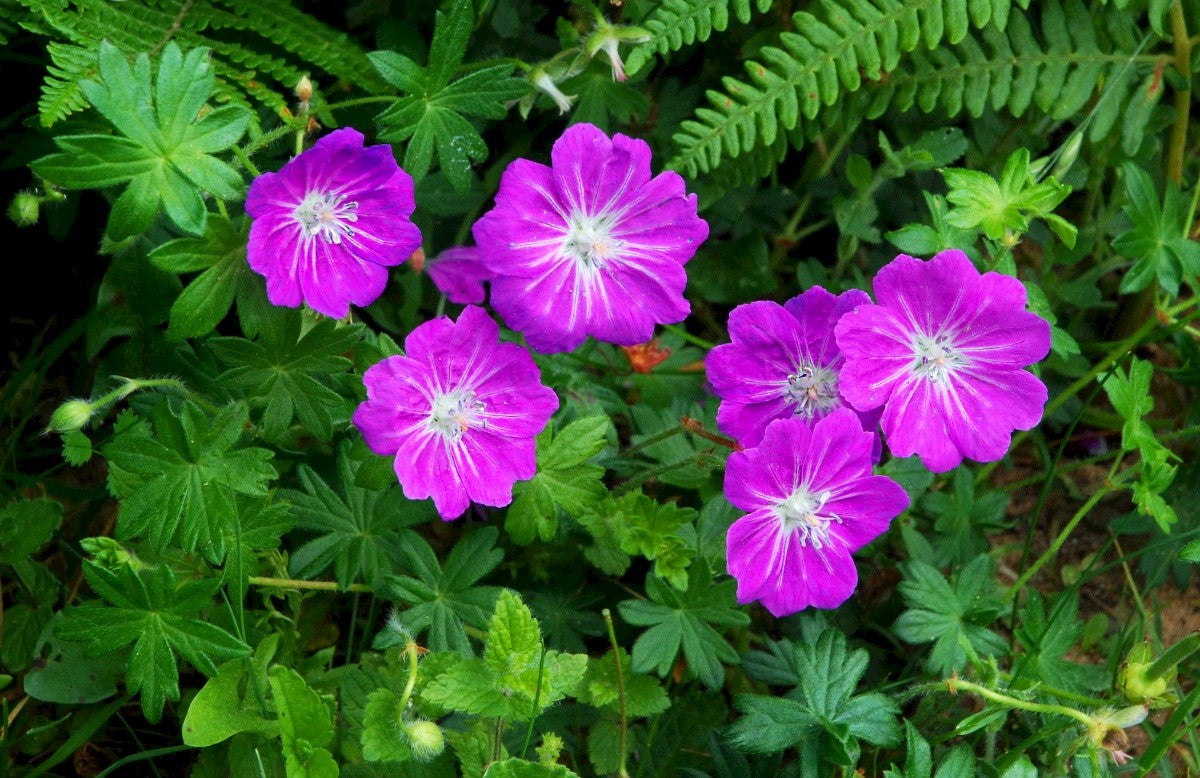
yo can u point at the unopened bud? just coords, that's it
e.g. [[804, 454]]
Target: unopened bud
[[304, 89], [24, 209], [607, 38], [543, 81], [1107, 729], [71, 415], [417, 259], [425, 738]]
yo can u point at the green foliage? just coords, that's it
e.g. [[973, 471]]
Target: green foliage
[[864, 57], [948, 614], [432, 113], [1130, 396], [305, 725], [1158, 242], [674, 24], [359, 531], [823, 706], [149, 610], [177, 476], [289, 372], [443, 599], [516, 678], [564, 480], [227, 705], [1003, 207], [685, 620], [273, 44], [165, 146], [221, 256], [635, 524]]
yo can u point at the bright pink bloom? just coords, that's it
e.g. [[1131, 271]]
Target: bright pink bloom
[[459, 411], [783, 362], [590, 246], [812, 502], [458, 274], [943, 352], [330, 223]]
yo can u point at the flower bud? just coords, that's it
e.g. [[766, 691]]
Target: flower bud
[[71, 415], [607, 38], [543, 81], [1132, 679], [425, 738], [304, 89], [1107, 729], [24, 209]]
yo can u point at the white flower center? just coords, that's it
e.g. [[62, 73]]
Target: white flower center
[[802, 513], [590, 242], [813, 389], [936, 357], [326, 215], [455, 412]]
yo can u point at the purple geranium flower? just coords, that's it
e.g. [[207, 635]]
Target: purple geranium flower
[[943, 352], [812, 501], [590, 246], [460, 411], [458, 274], [330, 223], [783, 362]]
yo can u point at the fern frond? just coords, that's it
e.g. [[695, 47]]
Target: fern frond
[[873, 46], [674, 24], [260, 48]]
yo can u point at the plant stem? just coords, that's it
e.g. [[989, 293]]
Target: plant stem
[[612, 638], [292, 583], [1183, 98], [537, 698], [244, 157], [956, 684], [666, 434], [411, 683], [1110, 487], [675, 329]]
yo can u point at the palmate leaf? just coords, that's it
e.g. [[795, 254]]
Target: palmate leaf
[[157, 616], [827, 674], [444, 599], [685, 620], [1157, 242], [431, 115], [165, 146], [361, 531], [290, 375], [177, 479]]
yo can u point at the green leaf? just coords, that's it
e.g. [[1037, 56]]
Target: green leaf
[[158, 617], [1000, 207], [164, 148], [826, 674], [67, 675], [221, 255], [1158, 240], [504, 683], [563, 480], [179, 484], [635, 524], [291, 375], [432, 114], [26, 526], [644, 696], [685, 620], [1049, 637], [360, 530], [443, 600], [383, 739], [305, 726], [77, 448], [946, 613], [1130, 396], [519, 768], [226, 705]]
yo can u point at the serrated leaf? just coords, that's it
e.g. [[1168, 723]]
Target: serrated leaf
[[383, 739], [305, 725]]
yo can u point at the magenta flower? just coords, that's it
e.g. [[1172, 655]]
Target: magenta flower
[[943, 353], [458, 274], [783, 362], [330, 223], [590, 246], [459, 411], [812, 501]]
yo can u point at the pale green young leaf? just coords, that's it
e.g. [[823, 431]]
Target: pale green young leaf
[[563, 480], [513, 639], [305, 725]]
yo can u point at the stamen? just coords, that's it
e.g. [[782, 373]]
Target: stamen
[[589, 241], [327, 216], [936, 357], [812, 389], [456, 412], [804, 515]]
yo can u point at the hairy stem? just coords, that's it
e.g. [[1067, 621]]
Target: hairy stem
[[612, 638], [292, 583]]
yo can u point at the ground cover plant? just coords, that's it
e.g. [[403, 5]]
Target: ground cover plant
[[678, 387]]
